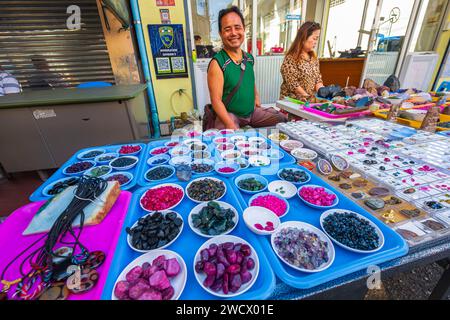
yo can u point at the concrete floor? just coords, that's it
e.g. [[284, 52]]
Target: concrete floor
[[414, 285]]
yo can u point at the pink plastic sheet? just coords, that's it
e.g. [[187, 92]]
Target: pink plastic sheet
[[101, 237]]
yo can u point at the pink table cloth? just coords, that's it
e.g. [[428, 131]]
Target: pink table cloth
[[101, 237]]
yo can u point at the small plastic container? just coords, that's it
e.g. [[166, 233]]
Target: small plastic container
[[184, 172], [413, 232]]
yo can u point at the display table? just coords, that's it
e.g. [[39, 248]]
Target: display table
[[41, 129], [342, 277], [297, 110]]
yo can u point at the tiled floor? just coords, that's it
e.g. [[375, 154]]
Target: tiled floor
[[14, 192]]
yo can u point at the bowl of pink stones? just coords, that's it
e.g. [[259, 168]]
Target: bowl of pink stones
[[317, 197], [271, 201], [226, 266], [156, 275], [162, 197], [227, 168], [260, 220], [129, 150], [159, 151]]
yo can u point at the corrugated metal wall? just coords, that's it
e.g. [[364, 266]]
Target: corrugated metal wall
[[38, 49], [268, 77]]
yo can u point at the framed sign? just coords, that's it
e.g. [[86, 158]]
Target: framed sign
[[169, 52], [165, 16]]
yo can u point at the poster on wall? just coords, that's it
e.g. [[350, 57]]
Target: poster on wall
[[169, 52]]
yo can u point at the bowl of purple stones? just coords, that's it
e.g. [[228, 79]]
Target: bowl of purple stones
[[226, 266], [124, 178], [303, 246], [78, 168]]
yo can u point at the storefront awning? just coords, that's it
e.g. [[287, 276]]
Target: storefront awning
[[120, 10]]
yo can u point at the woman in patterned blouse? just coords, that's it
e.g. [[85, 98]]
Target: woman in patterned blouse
[[300, 68]]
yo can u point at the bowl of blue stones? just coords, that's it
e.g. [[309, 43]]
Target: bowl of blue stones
[[106, 157], [124, 163], [203, 166], [296, 176], [159, 173], [90, 154], [352, 231], [251, 183], [158, 160]]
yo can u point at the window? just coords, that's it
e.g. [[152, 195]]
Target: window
[[205, 14], [344, 21], [430, 17], [394, 20], [277, 25]]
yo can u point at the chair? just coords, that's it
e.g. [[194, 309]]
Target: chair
[[94, 84], [445, 86]]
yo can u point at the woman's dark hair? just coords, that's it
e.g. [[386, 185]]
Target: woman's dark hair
[[305, 31], [231, 9]]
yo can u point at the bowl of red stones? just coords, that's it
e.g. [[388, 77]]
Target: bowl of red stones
[[129, 150], [78, 167], [156, 275], [159, 151], [162, 197], [260, 220], [226, 266]]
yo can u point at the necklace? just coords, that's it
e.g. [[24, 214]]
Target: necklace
[[42, 259], [232, 57]]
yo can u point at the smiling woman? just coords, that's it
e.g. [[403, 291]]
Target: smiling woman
[[300, 69]]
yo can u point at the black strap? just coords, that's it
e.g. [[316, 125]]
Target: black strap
[[236, 88]]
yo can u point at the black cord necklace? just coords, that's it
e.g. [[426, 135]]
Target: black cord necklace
[[41, 259]]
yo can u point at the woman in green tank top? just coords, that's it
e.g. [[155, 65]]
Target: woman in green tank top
[[231, 79]]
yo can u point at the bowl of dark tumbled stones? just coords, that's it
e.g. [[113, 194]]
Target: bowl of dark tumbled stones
[[206, 189], [294, 175], [78, 167], [59, 186], [124, 163], [91, 154], [159, 173], [202, 166], [352, 231], [155, 231]]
